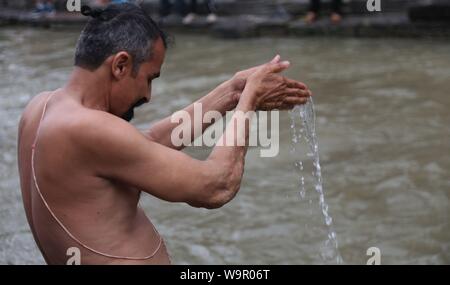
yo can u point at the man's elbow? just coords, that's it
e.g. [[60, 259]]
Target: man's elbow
[[222, 197], [220, 192]]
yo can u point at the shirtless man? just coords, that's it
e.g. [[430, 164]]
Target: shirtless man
[[83, 166]]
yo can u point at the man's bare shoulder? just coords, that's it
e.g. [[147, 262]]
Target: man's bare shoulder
[[31, 107], [103, 141], [102, 135], [94, 126]]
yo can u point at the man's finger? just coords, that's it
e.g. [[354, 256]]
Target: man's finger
[[269, 106], [295, 92], [276, 59], [295, 84], [295, 100], [286, 106], [277, 67], [252, 70]]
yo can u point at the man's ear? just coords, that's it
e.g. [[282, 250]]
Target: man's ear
[[121, 65]]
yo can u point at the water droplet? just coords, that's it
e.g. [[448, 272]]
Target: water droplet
[[302, 194]]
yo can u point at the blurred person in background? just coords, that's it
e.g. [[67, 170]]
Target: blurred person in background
[[103, 3], [44, 7], [314, 10], [193, 12], [188, 12]]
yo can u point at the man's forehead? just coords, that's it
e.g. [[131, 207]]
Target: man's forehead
[[159, 44], [157, 58], [151, 68], [159, 51]]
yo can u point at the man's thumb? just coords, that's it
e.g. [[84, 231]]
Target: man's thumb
[[279, 67], [276, 59]]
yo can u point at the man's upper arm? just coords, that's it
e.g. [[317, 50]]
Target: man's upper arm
[[116, 150]]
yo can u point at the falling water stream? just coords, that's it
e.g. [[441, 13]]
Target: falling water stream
[[303, 121]]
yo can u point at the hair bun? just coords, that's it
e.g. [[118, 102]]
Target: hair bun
[[95, 13]]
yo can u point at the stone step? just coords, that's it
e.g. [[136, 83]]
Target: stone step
[[280, 8], [243, 26], [429, 20], [299, 7]]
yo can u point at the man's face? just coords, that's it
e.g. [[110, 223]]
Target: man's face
[[136, 89]]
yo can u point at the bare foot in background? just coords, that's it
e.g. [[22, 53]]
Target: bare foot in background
[[335, 18], [311, 17], [211, 19], [189, 18]]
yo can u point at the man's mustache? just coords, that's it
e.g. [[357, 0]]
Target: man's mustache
[[129, 115]]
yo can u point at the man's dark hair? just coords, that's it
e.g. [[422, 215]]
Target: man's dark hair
[[118, 27]]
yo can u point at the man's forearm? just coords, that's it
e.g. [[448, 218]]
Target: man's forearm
[[222, 99], [228, 156], [234, 142]]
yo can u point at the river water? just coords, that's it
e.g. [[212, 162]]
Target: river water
[[382, 122]]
